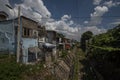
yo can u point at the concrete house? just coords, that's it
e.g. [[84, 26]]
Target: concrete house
[[51, 36], [28, 38], [67, 43], [41, 35], [41, 41], [50, 47], [60, 41]]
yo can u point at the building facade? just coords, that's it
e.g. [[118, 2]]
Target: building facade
[[28, 38], [7, 36]]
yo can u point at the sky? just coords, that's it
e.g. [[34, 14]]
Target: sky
[[69, 17]]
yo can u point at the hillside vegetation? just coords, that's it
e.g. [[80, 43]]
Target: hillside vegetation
[[103, 51]]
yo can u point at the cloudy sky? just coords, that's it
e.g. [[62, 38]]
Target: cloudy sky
[[70, 17]]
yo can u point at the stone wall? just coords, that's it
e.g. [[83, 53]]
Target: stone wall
[[63, 67]]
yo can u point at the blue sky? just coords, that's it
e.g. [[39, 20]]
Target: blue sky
[[72, 17], [75, 8], [79, 10]]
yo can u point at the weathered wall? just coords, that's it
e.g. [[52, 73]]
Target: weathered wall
[[62, 70], [51, 37], [28, 23], [6, 35], [29, 42], [64, 67], [26, 43]]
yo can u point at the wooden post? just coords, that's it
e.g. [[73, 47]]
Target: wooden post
[[18, 36]]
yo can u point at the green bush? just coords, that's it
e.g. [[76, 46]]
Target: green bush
[[104, 52], [64, 53], [10, 70]]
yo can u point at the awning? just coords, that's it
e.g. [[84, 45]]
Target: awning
[[49, 45]]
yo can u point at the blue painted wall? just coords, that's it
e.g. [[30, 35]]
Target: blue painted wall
[[26, 43], [29, 42], [6, 36], [8, 39]]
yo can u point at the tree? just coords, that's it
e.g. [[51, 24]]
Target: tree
[[85, 36]]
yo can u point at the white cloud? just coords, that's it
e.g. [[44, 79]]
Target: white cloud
[[100, 10], [96, 16], [96, 2], [85, 22], [111, 3], [35, 9], [116, 22], [69, 31], [64, 26], [65, 17], [38, 6], [94, 29], [37, 16], [4, 8], [71, 22]]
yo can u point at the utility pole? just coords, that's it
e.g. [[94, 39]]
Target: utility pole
[[18, 36]]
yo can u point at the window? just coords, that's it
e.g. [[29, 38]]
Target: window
[[26, 32]]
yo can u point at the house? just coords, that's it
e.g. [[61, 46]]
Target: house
[[50, 47], [67, 43], [60, 41], [41, 41], [51, 36], [28, 38], [41, 35]]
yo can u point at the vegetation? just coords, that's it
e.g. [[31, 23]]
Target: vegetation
[[60, 35], [64, 53], [85, 36], [82, 70], [10, 70], [104, 53]]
